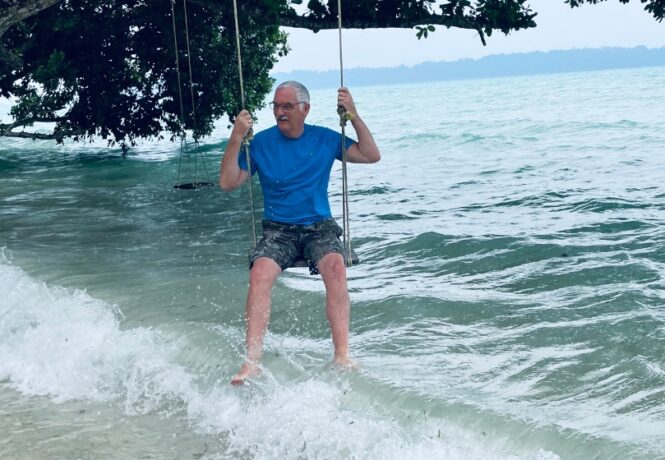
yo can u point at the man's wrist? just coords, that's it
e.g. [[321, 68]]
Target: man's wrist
[[236, 137]]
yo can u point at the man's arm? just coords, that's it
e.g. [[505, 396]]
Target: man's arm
[[231, 176], [365, 150]]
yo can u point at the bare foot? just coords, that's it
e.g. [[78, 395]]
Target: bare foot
[[248, 370], [345, 363]]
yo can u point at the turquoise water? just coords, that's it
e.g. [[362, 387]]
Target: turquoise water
[[510, 303]]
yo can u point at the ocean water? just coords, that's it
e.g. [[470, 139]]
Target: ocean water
[[510, 303]]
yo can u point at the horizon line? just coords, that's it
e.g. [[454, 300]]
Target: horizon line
[[471, 59]]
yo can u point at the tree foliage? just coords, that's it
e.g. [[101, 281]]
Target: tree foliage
[[108, 67], [654, 7]]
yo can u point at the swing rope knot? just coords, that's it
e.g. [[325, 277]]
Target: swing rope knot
[[248, 137], [344, 116]]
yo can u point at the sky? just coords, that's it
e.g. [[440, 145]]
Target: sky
[[559, 28]]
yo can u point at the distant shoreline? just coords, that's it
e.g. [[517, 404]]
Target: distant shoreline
[[500, 65]]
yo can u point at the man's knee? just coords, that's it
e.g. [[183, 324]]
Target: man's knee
[[332, 266], [264, 272]]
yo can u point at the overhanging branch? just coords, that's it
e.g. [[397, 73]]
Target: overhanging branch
[[7, 130], [419, 17], [317, 24], [26, 135], [17, 11], [29, 122]]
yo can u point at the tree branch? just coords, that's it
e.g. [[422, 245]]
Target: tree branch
[[25, 135], [21, 9], [6, 129], [420, 16], [29, 122], [17, 11], [316, 24]]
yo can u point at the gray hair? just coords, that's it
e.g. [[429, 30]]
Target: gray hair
[[301, 92]]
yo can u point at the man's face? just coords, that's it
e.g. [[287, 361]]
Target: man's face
[[289, 113]]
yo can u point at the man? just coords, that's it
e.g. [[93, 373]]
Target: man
[[293, 161]]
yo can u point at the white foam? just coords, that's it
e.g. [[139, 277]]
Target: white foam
[[66, 345], [311, 419]]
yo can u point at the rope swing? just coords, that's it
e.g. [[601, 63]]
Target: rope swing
[[250, 134], [344, 116], [184, 145], [350, 256]]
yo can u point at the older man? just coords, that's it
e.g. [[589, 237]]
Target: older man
[[293, 160]]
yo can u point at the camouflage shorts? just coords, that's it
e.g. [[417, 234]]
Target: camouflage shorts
[[284, 243]]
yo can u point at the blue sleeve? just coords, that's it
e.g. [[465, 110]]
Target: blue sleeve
[[242, 159], [338, 143]]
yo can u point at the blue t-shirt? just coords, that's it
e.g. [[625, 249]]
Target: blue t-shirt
[[294, 173]]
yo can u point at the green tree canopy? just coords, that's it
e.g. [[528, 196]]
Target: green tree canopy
[[108, 67]]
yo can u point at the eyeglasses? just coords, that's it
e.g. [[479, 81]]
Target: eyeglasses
[[285, 107]]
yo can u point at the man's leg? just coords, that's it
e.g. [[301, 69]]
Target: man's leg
[[333, 272], [261, 280]]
